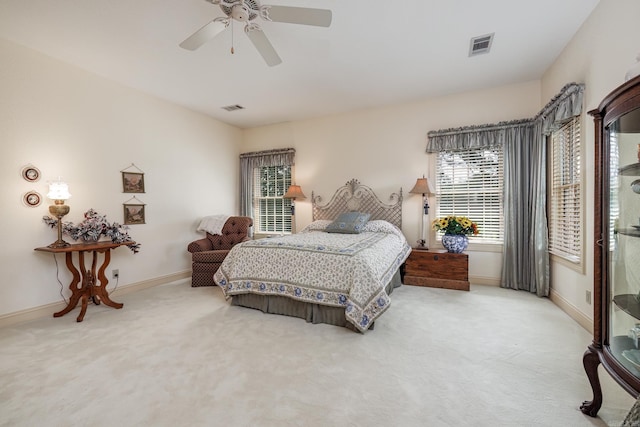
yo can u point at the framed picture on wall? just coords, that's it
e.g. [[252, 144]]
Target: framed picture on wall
[[134, 214], [132, 182]]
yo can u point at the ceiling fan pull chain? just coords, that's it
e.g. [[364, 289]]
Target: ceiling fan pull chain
[[232, 51]]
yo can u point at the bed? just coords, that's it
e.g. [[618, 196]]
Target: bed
[[343, 277]]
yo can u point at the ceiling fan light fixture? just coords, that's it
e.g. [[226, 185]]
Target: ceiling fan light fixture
[[240, 12]]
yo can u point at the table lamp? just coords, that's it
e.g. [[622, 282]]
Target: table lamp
[[294, 192], [423, 186], [59, 192]]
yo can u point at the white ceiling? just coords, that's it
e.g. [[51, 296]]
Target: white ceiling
[[375, 52]]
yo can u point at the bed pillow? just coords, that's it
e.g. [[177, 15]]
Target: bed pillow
[[381, 226], [317, 225], [349, 223]]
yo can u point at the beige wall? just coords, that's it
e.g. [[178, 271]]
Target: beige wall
[[599, 55], [385, 149], [87, 129]]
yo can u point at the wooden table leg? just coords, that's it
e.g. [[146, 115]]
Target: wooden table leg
[[101, 289], [87, 284], [76, 292], [94, 297], [83, 309]]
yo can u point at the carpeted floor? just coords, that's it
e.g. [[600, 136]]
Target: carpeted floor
[[182, 356]]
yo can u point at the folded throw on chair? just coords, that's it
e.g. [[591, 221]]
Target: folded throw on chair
[[213, 224]]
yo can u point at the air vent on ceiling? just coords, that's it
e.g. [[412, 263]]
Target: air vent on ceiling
[[481, 44], [233, 107]]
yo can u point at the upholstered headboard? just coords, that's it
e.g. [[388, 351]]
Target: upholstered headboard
[[354, 196]]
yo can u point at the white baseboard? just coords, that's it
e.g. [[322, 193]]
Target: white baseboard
[[150, 283], [582, 319], [49, 309]]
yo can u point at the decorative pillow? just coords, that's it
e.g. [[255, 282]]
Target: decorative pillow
[[348, 223]]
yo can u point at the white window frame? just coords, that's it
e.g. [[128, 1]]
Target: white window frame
[[566, 195], [460, 187], [271, 211]]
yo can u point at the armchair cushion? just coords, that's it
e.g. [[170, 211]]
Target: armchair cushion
[[200, 245], [210, 256]]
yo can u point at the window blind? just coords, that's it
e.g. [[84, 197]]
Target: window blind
[[470, 183], [565, 207], [272, 213]]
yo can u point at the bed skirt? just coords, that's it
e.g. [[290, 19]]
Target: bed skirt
[[312, 313]]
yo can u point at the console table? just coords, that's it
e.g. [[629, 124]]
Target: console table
[[91, 285]]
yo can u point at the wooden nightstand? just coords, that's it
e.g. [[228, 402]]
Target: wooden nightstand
[[437, 269]]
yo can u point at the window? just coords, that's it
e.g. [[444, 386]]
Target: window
[[565, 207], [272, 213], [469, 183]]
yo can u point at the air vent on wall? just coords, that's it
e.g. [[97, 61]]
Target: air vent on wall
[[233, 107], [481, 44]]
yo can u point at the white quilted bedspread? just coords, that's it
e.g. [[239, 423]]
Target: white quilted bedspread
[[340, 270]]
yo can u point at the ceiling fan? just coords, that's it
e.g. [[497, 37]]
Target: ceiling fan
[[248, 10]]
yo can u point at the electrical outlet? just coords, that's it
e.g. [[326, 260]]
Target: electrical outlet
[[588, 297], [115, 273]]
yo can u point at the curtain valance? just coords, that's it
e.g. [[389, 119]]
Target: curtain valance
[[563, 106], [566, 104], [472, 137], [277, 157]]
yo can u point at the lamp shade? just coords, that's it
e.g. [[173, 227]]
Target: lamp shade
[[423, 186], [58, 191], [294, 192]]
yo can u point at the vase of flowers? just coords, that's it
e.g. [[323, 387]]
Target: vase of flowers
[[93, 227], [456, 231]]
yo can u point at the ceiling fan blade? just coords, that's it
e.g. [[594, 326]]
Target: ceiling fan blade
[[299, 15], [263, 45], [204, 34]]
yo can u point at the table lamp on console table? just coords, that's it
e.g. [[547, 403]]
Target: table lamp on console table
[[59, 192]]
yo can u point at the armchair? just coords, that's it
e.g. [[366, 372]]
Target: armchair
[[208, 253]]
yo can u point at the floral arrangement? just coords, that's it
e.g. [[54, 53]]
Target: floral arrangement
[[455, 225], [93, 227]]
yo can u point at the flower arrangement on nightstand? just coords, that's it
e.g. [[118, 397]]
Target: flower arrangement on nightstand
[[456, 229], [455, 225]]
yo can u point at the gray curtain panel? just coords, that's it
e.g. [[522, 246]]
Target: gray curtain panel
[[252, 160], [525, 249]]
